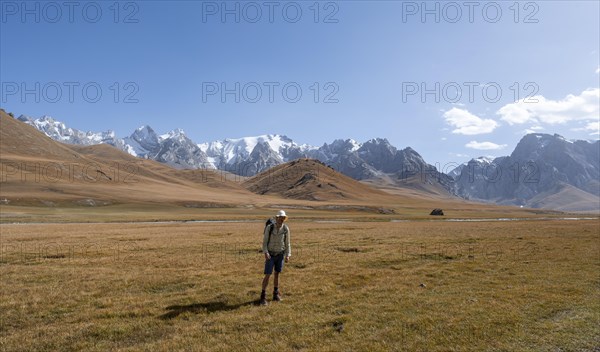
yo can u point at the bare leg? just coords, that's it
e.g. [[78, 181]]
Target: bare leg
[[276, 280], [265, 282]]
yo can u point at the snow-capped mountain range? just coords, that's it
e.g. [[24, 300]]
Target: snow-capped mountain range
[[59, 132], [251, 155], [244, 156], [173, 148], [544, 171]]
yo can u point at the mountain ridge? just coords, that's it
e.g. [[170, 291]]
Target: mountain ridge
[[569, 168], [540, 167], [245, 156]]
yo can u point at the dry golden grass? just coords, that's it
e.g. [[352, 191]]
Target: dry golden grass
[[489, 286], [94, 285]]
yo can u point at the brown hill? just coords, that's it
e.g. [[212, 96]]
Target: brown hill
[[21, 141], [37, 170], [309, 179], [565, 197], [415, 186]]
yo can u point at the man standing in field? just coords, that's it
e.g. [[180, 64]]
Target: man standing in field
[[276, 246]]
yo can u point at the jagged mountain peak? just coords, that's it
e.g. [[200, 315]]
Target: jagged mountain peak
[[480, 162], [540, 165], [484, 159], [535, 144], [143, 133], [142, 141], [541, 137], [177, 133], [44, 120], [144, 128], [57, 130], [341, 146], [381, 144], [409, 150], [377, 140], [47, 118], [283, 137], [228, 153]]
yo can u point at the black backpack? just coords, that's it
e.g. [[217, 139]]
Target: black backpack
[[271, 223]]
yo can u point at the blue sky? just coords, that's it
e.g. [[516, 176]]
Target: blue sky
[[530, 66]]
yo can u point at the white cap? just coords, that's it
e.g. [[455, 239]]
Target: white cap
[[281, 213]]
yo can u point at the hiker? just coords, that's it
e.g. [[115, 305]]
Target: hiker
[[276, 247]]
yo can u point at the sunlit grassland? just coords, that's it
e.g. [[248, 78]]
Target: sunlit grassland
[[127, 212], [488, 286]]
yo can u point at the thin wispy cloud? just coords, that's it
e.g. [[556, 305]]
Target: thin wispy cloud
[[485, 145], [532, 129], [592, 127], [458, 155]]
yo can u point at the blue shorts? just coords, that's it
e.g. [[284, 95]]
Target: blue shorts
[[276, 261]]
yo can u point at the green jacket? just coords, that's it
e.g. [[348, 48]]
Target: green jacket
[[280, 240]]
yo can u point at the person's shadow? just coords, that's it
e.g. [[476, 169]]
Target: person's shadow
[[210, 307]]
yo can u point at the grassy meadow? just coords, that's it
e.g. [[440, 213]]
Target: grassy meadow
[[350, 286]]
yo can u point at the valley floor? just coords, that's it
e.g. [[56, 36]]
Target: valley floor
[[487, 286]]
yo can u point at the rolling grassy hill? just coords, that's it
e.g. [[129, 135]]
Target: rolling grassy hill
[[309, 179], [39, 171]]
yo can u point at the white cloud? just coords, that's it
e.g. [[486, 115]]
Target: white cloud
[[514, 114], [538, 109], [532, 129], [485, 145], [468, 124], [593, 127], [458, 155], [598, 70]]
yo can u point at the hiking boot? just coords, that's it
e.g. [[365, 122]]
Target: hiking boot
[[263, 300], [276, 296]]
